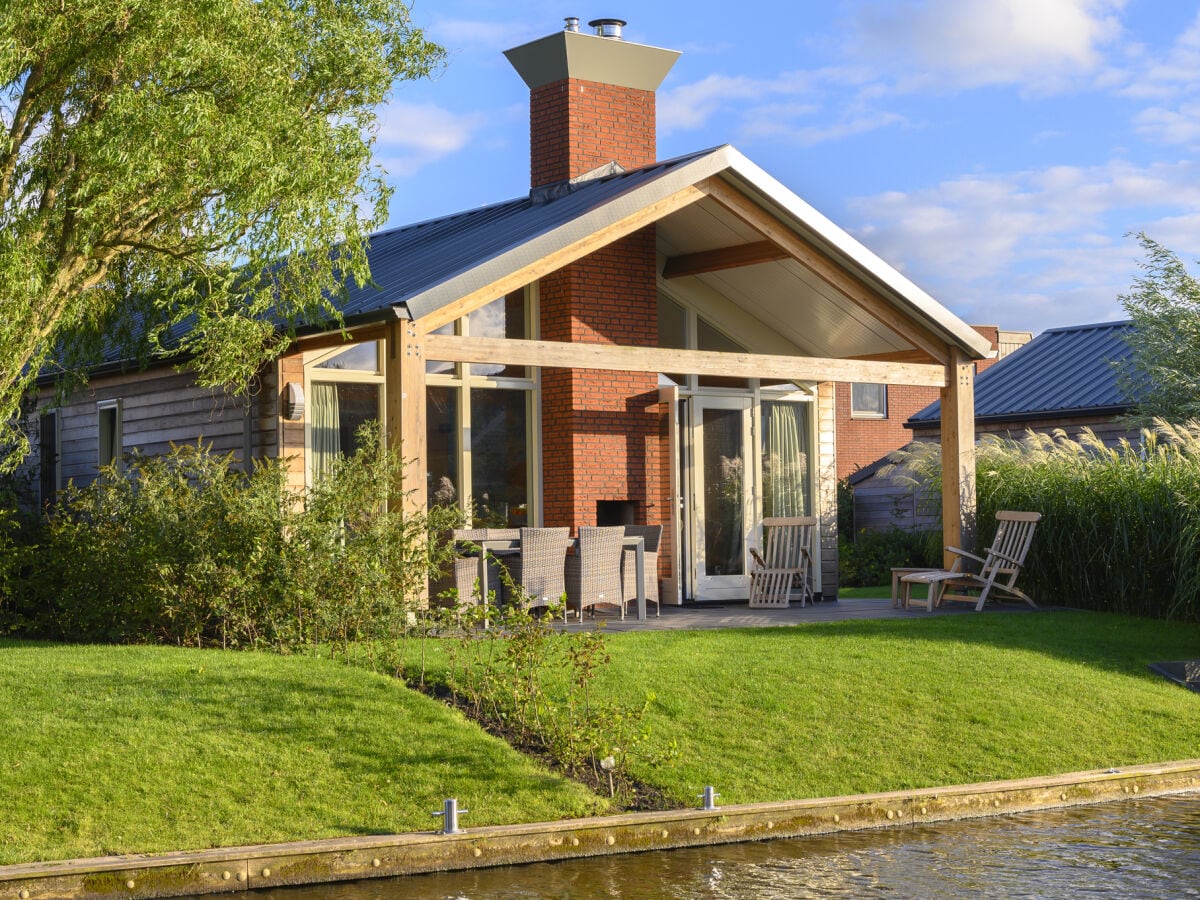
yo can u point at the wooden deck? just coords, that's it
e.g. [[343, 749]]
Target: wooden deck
[[736, 614]]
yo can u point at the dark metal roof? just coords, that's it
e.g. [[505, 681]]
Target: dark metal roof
[[410, 260], [1062, 372]]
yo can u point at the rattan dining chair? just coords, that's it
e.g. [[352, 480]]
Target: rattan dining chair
[[538, 571], [652, 537], [594, 571]]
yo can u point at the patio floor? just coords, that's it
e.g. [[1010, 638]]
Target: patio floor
[[737, 614]]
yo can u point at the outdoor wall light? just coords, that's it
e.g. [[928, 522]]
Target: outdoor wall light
[[293, 402]]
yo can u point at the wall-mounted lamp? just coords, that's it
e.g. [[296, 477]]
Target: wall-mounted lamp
[[293, 402]]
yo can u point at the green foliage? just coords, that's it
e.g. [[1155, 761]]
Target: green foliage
[[185, 549], [872, 555], [167, 163], [1121, 526], [1162, 375], [535, 684]]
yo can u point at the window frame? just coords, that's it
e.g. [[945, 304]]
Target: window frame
[[106, 409], [877, 414]]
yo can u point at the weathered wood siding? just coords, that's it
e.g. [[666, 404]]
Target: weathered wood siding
[[161, 407]]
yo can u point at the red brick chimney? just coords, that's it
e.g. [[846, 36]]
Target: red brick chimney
[[591, 104], [591, 100]]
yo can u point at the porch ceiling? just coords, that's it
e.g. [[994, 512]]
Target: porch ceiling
[[806, 310]]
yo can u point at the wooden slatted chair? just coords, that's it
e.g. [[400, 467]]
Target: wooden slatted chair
[[998, 570], [786, 561]]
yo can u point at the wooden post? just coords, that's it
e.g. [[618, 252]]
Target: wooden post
[[958, 455], [827, 482], [406, 407]]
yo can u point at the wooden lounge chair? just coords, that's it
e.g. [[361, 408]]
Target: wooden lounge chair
[[785, 562], [998, 571], [594, 571]]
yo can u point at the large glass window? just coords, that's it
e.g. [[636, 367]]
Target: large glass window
[[480, 422], [786, 477], [345, 392]]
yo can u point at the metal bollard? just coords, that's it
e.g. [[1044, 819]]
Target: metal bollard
[[709, 796], [449, 813]]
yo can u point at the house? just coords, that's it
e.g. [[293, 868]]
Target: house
[[1064, 379], [871, 419], [633, 340]]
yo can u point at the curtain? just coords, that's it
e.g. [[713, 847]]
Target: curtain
[[785, 459], [326, 429]]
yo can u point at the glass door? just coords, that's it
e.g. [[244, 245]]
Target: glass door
[[722, 496]]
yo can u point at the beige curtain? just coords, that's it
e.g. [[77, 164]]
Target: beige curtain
[[785, 460], [326, 432]]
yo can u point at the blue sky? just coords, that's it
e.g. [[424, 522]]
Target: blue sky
[[998, 152]]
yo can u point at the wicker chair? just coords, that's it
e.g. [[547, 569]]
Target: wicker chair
[[594, 572], [463, 575], [539, 568], [652, 537]]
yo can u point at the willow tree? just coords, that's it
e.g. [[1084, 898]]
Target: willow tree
[[1162, 372], [185, 176]]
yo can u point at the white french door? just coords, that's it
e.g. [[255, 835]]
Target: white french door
[[722, 499]]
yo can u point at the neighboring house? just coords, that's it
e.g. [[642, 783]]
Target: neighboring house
[[872, 418], [633, 340], [1064, 379]]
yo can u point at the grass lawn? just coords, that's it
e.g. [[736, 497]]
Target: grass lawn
[[864, 706], [139, 749]]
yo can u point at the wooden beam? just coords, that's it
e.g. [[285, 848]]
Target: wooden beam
[[723, 258], [616, 358], [576, 249], [915, 356], [816, 262], [958, 456], [405, 389], [341, 338]]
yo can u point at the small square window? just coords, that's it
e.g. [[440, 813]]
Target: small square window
[[868, 401]]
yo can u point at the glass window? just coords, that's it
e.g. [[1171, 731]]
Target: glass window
[[868, 401], [499, 473], [442, 445], [108, 421], [708, 338], [503, 318], [339, 410], [785, 459], [359, 358]]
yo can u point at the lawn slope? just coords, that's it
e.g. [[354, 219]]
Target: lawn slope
[[141, 749]]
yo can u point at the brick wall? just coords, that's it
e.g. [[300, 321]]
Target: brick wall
[[577, 126], [601, 431]]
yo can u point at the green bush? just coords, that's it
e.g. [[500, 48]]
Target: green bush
[[185, 549], [872, 555], [1120, 527]]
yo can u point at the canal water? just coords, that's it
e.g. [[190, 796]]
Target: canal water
[[1128, 849]]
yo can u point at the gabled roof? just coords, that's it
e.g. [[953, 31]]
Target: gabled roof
[[1062, 372], [422, 268]]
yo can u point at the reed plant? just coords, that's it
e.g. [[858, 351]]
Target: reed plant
[[1121, 525]]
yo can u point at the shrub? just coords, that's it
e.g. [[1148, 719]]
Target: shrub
[[184, 548], [872, 555]]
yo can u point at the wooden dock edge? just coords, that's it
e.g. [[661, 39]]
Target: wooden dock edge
[[227, 870]]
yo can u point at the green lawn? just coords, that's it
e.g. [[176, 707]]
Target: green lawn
[[124, 749], [136, 749], [864, 706]]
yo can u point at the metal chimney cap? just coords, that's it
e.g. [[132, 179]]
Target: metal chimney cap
[[572, 23], [609, 28]]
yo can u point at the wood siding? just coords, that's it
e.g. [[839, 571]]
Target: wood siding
[[161, 407], [827, 487]]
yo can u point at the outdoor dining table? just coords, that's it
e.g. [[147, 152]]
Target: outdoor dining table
[[503, 548]]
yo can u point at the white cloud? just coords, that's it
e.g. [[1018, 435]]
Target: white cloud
[[458, 34], [1038, 248], [413, 135], [966, 43]]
